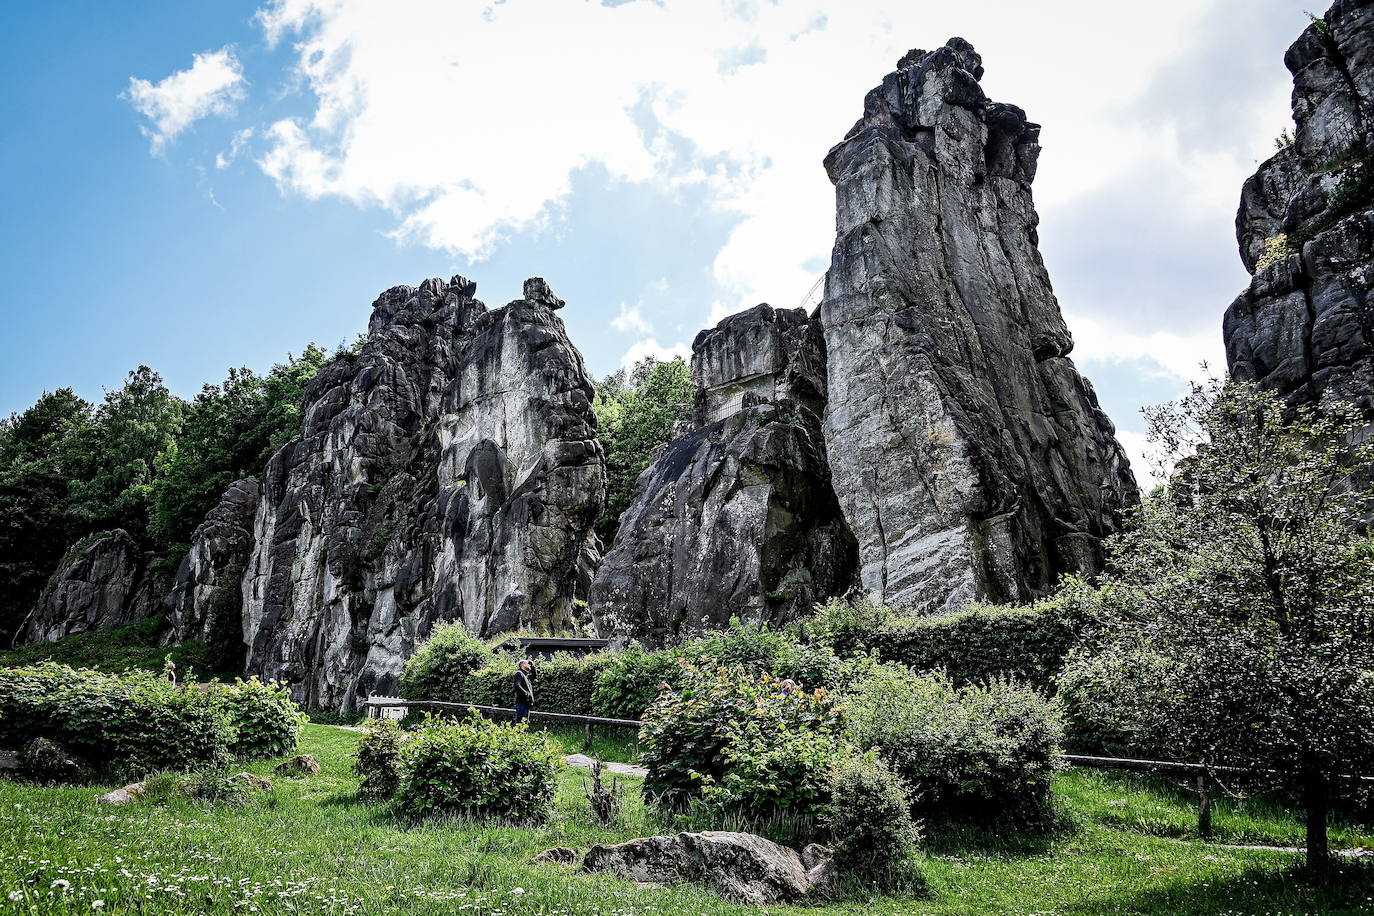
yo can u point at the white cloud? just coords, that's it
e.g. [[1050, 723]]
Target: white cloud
[[1144, 457], [651, 347], [1175, 356], [631, 319], [211, 86], [468, 122], [236, 148]]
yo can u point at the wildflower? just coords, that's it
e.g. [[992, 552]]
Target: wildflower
[[16, 896], [62, 883], [97, 904]]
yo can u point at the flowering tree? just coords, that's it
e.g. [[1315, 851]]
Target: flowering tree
[[1247, 633]]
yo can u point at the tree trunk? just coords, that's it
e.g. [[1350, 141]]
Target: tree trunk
[[1315, 798]]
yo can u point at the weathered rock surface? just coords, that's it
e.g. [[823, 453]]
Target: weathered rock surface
[[206, 601], [741, 866], [969, 456], [736, 518], [102, 583], [558, 855], [50, 761], [449, 470], [1304, 328], [299, 765], [126, 795]]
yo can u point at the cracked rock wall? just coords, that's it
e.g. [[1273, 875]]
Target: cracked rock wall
[[1304, 327], [969, 456]]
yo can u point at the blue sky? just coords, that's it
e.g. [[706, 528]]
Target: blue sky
[[195, 185]]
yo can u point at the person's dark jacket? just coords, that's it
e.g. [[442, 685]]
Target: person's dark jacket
[[524, 687]]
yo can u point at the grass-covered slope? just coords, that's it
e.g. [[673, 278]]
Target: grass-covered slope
[[312, 848]]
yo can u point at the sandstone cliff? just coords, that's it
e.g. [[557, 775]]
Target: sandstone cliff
[[1304, 326], [447, 471], [101, 583], [736, 517], [970, 458]]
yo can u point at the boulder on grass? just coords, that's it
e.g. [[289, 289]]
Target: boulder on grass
[[741, 866], [558, 855], [300, 765], [49, 761], [127, 795], [251, 782]]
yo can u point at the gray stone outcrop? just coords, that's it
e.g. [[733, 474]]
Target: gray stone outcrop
[[1304, 327], [970, 458], [102, 582], [736, 517]]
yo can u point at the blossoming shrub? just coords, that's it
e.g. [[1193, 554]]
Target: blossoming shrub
[[267, 721], [478, 769], [736, 741], [975, 753]]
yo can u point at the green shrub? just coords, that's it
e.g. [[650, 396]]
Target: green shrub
[[267, 721], [974, 753], [771, 774], [439, 668], [982, 643], [478, 769], [378, 759], [870, 825], [136, 721], [1097, 691], [631, 680], [687, 734]]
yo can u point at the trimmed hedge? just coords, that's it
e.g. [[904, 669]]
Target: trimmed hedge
[[1027, 644], [439, 668]]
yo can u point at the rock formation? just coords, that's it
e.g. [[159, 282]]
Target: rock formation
[[447, 471], [969, 456], [103, 582], [736, 517], [207, 596], [1304, 328]]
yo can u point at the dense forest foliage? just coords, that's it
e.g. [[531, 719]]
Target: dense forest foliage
[[142, 459], [635, 412]]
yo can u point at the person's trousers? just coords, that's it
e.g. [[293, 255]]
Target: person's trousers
[[522, 712]]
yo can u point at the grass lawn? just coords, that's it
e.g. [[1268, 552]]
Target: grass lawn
[[311, 848]]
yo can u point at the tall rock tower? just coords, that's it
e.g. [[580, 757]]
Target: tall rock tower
[[1305, 326], [970, 458]]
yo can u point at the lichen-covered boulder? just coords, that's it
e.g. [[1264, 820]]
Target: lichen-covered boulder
[[741, 866]]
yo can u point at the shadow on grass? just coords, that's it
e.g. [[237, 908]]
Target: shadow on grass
[[1349, 889]]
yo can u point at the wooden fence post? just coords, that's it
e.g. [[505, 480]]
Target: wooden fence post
[[1204, 808]]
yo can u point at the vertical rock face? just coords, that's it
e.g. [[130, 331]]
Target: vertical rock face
[[1305, 327], [206, 601], [735, 518], [969, 456], [447, 471], [100, 584]]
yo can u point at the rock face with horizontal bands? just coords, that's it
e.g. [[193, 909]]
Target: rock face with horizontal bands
[[735, 518], [1304, 327], [448, 470], [970, 458], [103, 583]]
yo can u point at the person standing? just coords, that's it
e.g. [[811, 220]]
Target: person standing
[[524, 689]]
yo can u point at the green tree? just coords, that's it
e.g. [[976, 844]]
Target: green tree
[[1248, 636], [40, 454], [635, 412], [134, 425]]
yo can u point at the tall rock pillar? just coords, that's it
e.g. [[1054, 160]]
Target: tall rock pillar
[[969, 456]]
